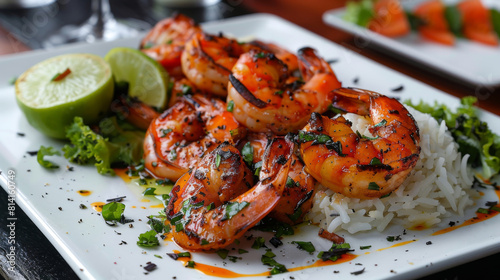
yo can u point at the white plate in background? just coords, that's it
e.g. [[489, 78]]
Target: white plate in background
[[472, 62], [96, 251]]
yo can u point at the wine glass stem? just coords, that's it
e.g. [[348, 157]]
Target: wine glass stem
[[102, 14]]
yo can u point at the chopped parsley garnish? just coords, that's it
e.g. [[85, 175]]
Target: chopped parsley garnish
[[173, 154], [365, 247], [278, 92], [164, 132], [242, 251], [222, 253], [482, 211], [373, 186], [148, 239], [257, 166], [335, 252], [176, 256], [230, 106], [260, 55], [259, 242], [305, 245], [47, 151], [233, 208], [304, 137], [186, 89], [113, 211], [149, 191], [272, 225], [247, 153], [366, 137], [217, 161], [204, 242], [381, 123], [375, 161], [268, 259], [190, 264]]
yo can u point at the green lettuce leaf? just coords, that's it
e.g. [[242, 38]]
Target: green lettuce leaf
[[359, 12], [115, 144], [472, 135]]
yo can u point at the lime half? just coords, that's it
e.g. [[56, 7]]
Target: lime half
[[147, 79], [54, 91]]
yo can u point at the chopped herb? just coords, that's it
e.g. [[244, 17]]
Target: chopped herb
[[222, 253], [260, 55], [296, 214], [365, 247], [230, 106], [375, 161], [210, 206], [247, 153], [257, 166], [336, 110], [268, 259], [186, 89], [148, 239], [373, 186], [278, 92], [113, 211], [204, 242], [156, 224], [164, 132], [335, 252], [234, 132], [158, 256], [272, 225], [482, 211], [149, 191], [289, 182], [47, 151], [233, 208], [190, 264], [494, 208], [173, 154], [381, 123], [60, 76], [217, 161], [242, 251], [386, 195], [366, 137], [169, 42], [163, 182], [390, 238], [233, 258], [258, 243], [306, 246]]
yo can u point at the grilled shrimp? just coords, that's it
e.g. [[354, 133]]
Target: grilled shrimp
[[179, 137], [355, 165], [267, 99], [208, 59], [296, 200], [165, 42], [212, 205], [289, 58]]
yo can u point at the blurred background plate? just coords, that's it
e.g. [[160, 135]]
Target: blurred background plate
[[470, 62]]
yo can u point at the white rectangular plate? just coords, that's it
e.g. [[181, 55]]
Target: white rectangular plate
[[97, 251], [468, 61]]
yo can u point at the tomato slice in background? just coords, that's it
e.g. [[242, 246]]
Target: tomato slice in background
[[434, 24], [389, 19], [477, 22]]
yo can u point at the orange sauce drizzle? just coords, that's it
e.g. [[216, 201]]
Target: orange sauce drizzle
[[157, 206], [145, 200], [397, 245], [211, 270], [84, 192], [479, 218], [122, 173], [97, 206]]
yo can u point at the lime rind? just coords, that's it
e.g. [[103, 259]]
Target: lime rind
[[50, 106], [147, 79]]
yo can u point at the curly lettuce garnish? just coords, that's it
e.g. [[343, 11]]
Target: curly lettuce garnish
[[114, 145], [472, 135]]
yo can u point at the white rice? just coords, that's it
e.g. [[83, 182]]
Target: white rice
[[438, 187]]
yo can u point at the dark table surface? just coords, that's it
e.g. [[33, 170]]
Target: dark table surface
[[37, 258]]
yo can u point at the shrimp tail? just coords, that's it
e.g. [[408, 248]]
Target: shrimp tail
[[207, 228]]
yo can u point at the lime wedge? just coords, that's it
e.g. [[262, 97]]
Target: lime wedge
[[147, 79], [54, 91]]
